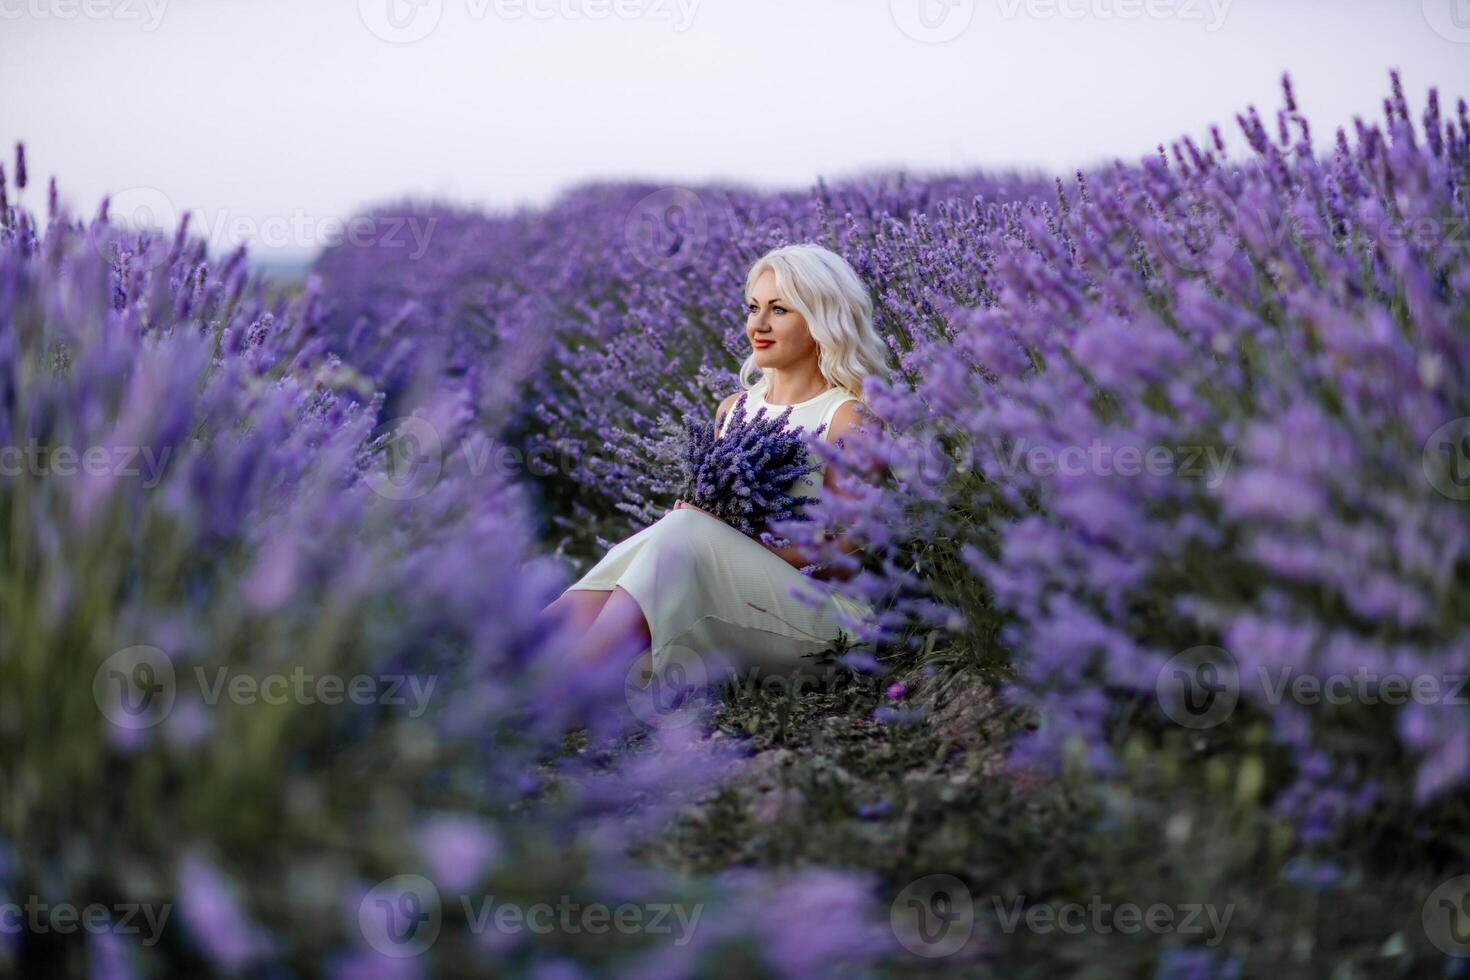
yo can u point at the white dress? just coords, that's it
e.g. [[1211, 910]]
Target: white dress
[[719, 599]]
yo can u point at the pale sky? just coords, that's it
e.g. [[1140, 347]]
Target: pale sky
[[275, 120]]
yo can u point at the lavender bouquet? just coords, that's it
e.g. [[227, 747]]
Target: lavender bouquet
[[745, 477]]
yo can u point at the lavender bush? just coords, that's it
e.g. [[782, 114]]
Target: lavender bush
[[1185, 429], [1286, 348], [633, 292], [271, 668], [745, 477], [1179, 434]]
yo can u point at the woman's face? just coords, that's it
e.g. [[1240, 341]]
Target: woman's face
[[777, 333]]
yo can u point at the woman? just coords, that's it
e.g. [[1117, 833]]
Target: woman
[[689, 587]]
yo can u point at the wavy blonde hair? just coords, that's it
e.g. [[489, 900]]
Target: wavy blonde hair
[[821, 286]]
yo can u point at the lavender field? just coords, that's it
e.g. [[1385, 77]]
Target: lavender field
[[1172, 566]]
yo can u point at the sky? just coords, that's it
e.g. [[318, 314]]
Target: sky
[[275, 121]]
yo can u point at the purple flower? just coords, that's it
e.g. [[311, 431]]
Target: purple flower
[[108, 957], [898, 716], [861, 661], [745, 477], [209, 904], [1195, 963], [1319, 875], [458, 849]]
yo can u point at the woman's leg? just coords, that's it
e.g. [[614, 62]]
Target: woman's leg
[[619, 629], [607, 619], [578, 607]]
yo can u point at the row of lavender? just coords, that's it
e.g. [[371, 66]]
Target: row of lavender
[[269, 700], [629, 296], [1214, 419], [1183, 441]]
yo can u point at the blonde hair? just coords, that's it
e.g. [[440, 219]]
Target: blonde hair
[[821, 286]]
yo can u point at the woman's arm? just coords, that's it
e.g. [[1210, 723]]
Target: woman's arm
[[844, 420], [724, 409]]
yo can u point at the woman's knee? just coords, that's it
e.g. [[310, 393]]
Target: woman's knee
[[684, 517], [680, 537]]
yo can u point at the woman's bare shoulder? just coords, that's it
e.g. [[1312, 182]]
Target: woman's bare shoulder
[[726, 405]]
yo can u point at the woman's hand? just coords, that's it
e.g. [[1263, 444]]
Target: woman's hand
[[793, 555], [683, 505]]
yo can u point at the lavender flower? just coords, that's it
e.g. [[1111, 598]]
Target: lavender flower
[[245, 521], [745, 476], [1287, 329], [211, 909]]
